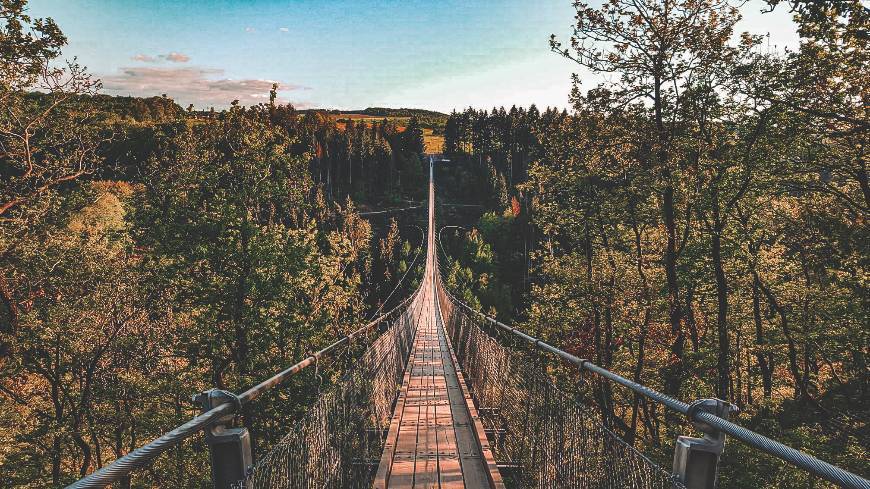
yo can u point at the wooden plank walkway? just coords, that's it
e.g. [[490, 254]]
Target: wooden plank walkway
[[435, 439]]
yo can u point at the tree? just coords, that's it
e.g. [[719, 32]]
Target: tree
[[412, 138], [234, 248], [657, 50], [33, 123], [87, 356], [45, 140]]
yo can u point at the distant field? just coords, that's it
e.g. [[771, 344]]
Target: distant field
[[368, 117], [433, 143], [341, 118]]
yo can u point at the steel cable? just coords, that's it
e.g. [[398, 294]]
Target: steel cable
[[142, 455], [795, 457]]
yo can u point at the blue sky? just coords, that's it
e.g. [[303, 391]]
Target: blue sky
[[344, 54]]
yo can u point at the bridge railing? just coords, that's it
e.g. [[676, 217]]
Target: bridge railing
[[542, 436], [339, 440], [695, 460], [230, 447]]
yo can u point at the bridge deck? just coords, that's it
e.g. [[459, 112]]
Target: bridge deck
[[435, 438]]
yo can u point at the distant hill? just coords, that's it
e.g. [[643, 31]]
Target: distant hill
[[432, 122], [403, 112], [385, 112]]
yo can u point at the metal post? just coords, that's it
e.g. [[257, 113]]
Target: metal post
[[230, 447], [696, 460]]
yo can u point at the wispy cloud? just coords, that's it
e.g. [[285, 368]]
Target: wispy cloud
[[175, 57], [202, 87], [284, 29], [144, 58]]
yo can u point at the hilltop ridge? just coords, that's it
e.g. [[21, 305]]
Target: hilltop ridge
[[384, 112]]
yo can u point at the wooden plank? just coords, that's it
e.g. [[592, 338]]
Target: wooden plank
[[478, 463], [449, 468], [386, 464], [426, 475], [435, 440], [406, 451]]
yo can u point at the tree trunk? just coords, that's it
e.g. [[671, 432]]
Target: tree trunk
[[674, 371], [799, 392], [644, 328], [765, 359], [723, 367], [55, 461]]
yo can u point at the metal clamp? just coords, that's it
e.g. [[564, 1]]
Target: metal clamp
[[716, 407], [213, 398], [230, 448], [696, 460]]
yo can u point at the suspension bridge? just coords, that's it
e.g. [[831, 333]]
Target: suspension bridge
[[442, 396]]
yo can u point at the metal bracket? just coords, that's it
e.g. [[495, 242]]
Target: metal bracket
[[696, 460], [230, 447], [213, 398], [716, 407]]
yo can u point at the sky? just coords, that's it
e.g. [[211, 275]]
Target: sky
[[337, 54]]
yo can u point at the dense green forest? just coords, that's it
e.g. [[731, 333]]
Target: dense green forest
[[697, 223], [149, 252]]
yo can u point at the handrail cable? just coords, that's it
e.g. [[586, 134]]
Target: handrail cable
[[805, 461], [138, 457], [387, 211], [410, 267]]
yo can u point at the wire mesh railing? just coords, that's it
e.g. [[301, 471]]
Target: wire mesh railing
[[710, 416], [339, 440], [221, 406], [542, 436]]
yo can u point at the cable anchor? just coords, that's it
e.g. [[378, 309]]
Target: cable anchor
[[229, 447], [696, 460]]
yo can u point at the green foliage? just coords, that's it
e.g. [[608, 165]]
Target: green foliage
[[25, 46], [85, 348], [219, 217], [223, 249], [474, 275], [697, 222]]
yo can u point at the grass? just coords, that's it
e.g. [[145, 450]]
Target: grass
[[434, 143]]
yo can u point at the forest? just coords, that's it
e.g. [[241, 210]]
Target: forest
[[697, 222], [150, 251]]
